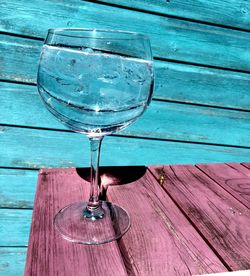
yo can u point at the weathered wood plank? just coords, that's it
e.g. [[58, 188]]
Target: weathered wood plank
[[30, 148], [177, 82], [171, 38], [193, 84], [232, 178], [223, 12], [17, 188], [12, 261], [160, 241], [163, 120], [15, 227], [243, 168], [54, 255], [24, 107], [217, 215], [231, 273], [246, 165], [19, 58]]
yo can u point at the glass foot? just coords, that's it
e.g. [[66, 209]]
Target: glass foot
[[74, 226]]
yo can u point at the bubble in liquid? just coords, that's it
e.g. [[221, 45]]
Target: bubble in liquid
[[65, 65], [80, 90], [72, 62]]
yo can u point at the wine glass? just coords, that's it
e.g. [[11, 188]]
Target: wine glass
[[95, 82]]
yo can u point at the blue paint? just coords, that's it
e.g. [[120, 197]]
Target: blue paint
[[148, 140]]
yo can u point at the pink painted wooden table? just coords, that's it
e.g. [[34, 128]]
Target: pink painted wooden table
[[186, 220]]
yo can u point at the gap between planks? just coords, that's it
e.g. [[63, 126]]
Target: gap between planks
[[222, 227]]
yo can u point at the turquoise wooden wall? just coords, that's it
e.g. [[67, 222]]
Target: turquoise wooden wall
[[199, 113]]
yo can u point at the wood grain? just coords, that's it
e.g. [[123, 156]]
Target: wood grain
[[32, 148], [218, 216], [15, 227], [146, 250], [49, 254], [243, 167], [12, 260], [194, 84], [19, 58], [161, 240], [223, 12], [175, 82], [232, 177], [17, 188], [171, 38], [184, 43], [247, 165], [206, 122]]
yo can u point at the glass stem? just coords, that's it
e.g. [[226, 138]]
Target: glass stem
[[94, 209]]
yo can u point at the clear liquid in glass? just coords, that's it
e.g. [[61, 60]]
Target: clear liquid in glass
[[93, 92]]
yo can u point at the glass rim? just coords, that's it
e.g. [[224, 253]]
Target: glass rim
[[131, 35]]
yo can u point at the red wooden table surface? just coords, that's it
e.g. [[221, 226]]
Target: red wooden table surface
[[185, 220]]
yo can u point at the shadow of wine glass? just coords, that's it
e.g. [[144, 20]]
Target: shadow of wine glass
[[113, 176]]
